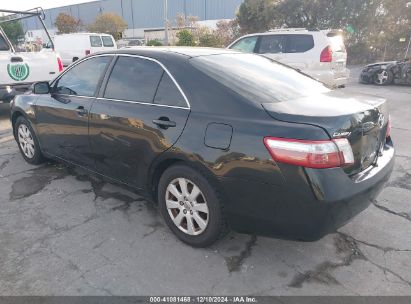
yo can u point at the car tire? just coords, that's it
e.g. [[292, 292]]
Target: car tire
[[383, 77], [197, 221], [27, 141]]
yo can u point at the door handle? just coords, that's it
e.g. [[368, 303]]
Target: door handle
[[81, 111], [16, 59], [164, 123]]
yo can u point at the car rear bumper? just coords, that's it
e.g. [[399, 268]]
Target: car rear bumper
[[332, 78], [314, 204]]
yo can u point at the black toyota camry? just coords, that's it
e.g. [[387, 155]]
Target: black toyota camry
[[218, 139]]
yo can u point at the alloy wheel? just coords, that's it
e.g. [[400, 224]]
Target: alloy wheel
[[187, 206], [26, 141], [382, 77]]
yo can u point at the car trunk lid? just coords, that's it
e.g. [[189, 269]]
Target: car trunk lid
[[362, 119]]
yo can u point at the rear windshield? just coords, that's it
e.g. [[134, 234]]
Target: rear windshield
[[95, 41], [337, 43], [257, 78], [107, 41]]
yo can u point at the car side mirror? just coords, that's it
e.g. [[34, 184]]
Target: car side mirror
[[41, 88]]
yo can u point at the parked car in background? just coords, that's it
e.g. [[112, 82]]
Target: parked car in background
[[385, 73], [320, 54], [18, 70], [266, 150], [78, 45]]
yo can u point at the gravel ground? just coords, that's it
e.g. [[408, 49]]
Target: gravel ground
[[64, 232]]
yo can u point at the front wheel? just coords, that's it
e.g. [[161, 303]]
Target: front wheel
[[27, 141], [383, 77], [191, 206]]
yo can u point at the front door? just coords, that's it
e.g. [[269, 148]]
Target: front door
[[141, 113], [63, 116]]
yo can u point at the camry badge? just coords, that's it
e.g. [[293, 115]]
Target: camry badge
[[341, 134]]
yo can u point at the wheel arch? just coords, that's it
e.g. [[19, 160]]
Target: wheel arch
[[16, 114], [162, 165]]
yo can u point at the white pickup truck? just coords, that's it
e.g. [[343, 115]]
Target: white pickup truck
[[18, 70]]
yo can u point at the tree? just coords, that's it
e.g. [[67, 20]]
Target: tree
[[110, 24], [185, 38], [256, 15], [66, 24], [13, 30]]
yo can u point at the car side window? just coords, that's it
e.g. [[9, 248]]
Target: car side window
[[299, 43], [95, 41], [272, 44], [107, 41], [3, 44], [246, 44], [168, 93], [83, 78], [134, 79]]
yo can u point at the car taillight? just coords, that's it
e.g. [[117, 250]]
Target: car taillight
[[310, 153], [60, 64], [389, 126], [326, 55], [88, 52]]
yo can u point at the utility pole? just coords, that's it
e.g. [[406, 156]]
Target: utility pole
[[166, 22], [408, 47]]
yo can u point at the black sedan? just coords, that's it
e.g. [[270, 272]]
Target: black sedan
[[219, 139]]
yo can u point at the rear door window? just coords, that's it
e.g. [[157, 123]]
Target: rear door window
[[168, 93], [337, 43], [246, 44], [134, 79], [95, 41], [299, 43], [272, 44], [107, 41]]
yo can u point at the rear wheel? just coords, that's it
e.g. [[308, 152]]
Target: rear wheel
[[27, 141], [190, 206], [383, 77]]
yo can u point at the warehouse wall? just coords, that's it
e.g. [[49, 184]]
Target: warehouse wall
[[141, 13]]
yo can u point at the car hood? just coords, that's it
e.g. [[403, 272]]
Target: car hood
[[380, 63]]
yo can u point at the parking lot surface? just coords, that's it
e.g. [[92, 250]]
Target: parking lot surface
[[65, 232]]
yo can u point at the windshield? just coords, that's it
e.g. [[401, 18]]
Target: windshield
[[257, 78]]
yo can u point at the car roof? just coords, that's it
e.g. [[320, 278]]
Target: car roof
[[83, 33], [183, 51]]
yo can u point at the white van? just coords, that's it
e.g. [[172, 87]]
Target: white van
[[320, 54], [78, 45]]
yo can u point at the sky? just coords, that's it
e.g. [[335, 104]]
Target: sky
[[28, 4]]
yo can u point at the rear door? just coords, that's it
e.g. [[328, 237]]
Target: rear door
[[300, 51], [273, 46], [140, 114], [339, 61], [63, 116]]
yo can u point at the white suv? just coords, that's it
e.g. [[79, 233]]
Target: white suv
[[320, 54]]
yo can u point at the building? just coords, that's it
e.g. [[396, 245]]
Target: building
[[139, 14]]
